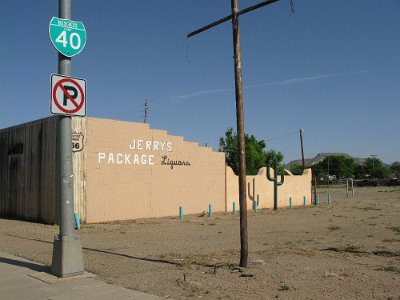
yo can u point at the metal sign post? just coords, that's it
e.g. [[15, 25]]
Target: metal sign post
[[67, 248]]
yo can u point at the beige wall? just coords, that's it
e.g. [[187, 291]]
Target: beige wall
[[111, 184], [118, 187], [124, 183], [294, 186]]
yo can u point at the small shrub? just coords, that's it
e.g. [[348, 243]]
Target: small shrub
[[330, 274], [353, 249], [370, 208], [390, 240], [396, 229], [284, 287], [333, 227], [393, 269]]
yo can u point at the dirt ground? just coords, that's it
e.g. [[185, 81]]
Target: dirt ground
[[348, 250]]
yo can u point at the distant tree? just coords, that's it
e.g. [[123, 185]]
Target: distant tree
[[296, 169], [395, 168], [359, 172], [270, 155], [256, 156], [345, 166], [230, 147], [339, 166], [376, 169]]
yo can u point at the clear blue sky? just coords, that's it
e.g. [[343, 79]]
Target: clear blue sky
[[331, 68]]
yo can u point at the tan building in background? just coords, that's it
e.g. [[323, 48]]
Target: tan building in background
[[122, 171]]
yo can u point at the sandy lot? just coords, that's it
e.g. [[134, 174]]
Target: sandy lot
[[349, 250]]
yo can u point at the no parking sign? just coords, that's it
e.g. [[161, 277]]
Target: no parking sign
[[68, 95]]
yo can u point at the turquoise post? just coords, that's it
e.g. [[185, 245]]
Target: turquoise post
[[234, 208], [77, 222], [180, 213], [210, 210], [317, 200], [290, 202], [305, 201], [329, 198]]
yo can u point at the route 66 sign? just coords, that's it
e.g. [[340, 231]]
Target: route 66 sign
[[77, 141]]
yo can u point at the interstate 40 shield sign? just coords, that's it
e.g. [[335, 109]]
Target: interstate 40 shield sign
[[68, 37]]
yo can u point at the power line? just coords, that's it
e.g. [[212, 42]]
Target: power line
[[282, 136]]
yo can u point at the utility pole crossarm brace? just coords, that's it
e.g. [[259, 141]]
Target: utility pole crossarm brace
[[227, 18]]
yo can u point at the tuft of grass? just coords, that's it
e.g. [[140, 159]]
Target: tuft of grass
[[338, 216], [284, 287], [393, 269], [396, 229], [372, 224], [353, 249], [333, 227], [389, 190], [370, 208], [330, 274], [390, 240]]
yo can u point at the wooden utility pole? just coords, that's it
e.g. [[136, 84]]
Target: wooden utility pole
[[237, 54], [302, 149], [239, 115]]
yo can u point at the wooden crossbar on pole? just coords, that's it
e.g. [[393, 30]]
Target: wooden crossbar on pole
[[227, 18]]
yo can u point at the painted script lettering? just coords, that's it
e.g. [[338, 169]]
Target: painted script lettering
[[168, 162]]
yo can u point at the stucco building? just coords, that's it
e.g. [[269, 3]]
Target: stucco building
[[122, 171]]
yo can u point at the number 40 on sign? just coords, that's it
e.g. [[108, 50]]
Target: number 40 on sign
[[68, 37]]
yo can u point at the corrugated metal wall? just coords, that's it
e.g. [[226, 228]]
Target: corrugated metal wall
[[29, 171]]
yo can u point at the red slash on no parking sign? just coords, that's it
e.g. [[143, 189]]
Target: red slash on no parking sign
[[68, 95]]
